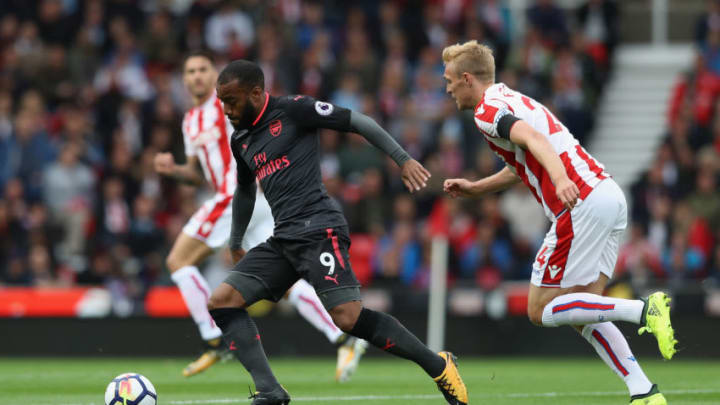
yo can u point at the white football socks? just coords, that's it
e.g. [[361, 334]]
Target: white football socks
[[613, 349], [303, 297], [584, 308], [196, 293]]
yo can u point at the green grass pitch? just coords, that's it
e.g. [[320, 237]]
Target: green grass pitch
[[379, 381]]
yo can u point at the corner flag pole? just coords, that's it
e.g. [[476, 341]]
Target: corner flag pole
[[439, 229], [438, 292]]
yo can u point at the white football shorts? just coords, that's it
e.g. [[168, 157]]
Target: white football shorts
[[584, 242], [213, 221]]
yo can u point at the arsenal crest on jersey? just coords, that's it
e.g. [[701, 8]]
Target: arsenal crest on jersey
[[275, 127]]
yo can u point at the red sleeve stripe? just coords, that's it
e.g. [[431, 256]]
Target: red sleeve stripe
[[488, 114]]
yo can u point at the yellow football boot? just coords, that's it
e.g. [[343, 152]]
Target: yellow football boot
[[349, 354], [656, 320], [450, 383], [203, 362], [215, 352], [654, 397]]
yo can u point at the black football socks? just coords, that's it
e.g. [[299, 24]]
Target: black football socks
[[388, 334], [243, 340]]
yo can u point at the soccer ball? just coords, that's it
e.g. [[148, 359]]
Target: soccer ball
[[130, 389]]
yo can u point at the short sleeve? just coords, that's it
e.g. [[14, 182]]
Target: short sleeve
[[189, 147], [488, 116], [309, 112]]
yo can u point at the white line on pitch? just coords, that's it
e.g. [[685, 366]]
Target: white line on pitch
[[410, 397], [593, 393], [308, 399], [482, 395]]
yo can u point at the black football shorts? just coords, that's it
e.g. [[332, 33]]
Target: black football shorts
[[268, 270]]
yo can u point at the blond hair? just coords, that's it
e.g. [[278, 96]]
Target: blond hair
[[473, 58]]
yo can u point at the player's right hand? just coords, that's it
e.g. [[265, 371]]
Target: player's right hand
[[414, 175], [567, 192], [164, 163], [458, 188]]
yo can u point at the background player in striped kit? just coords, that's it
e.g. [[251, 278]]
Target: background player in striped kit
[[206, 133], [586, 207]]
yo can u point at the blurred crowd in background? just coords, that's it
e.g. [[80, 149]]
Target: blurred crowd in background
[[91, 90], [675, 233]]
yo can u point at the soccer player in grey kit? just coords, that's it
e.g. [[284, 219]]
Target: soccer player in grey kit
[[275, 141]]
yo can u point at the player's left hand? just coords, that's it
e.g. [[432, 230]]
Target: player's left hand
[[567, 192], [414, 175], [164, 163]]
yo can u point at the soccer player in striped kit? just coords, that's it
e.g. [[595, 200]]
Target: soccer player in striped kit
[[586, 207], [206, 133]]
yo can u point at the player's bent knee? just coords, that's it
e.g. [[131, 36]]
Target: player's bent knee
[[344, 321], [535, 314], [225, 296], [535, 317], [346, 315], [216, 301], [173, 263]]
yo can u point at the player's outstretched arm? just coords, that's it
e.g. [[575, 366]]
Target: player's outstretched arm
[[187, 173], [414, 175], [309, 112], [528, 138], [243, 204], [491, 184]]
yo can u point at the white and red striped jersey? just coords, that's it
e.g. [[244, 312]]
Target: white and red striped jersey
[[206, 134], [581, 168]]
